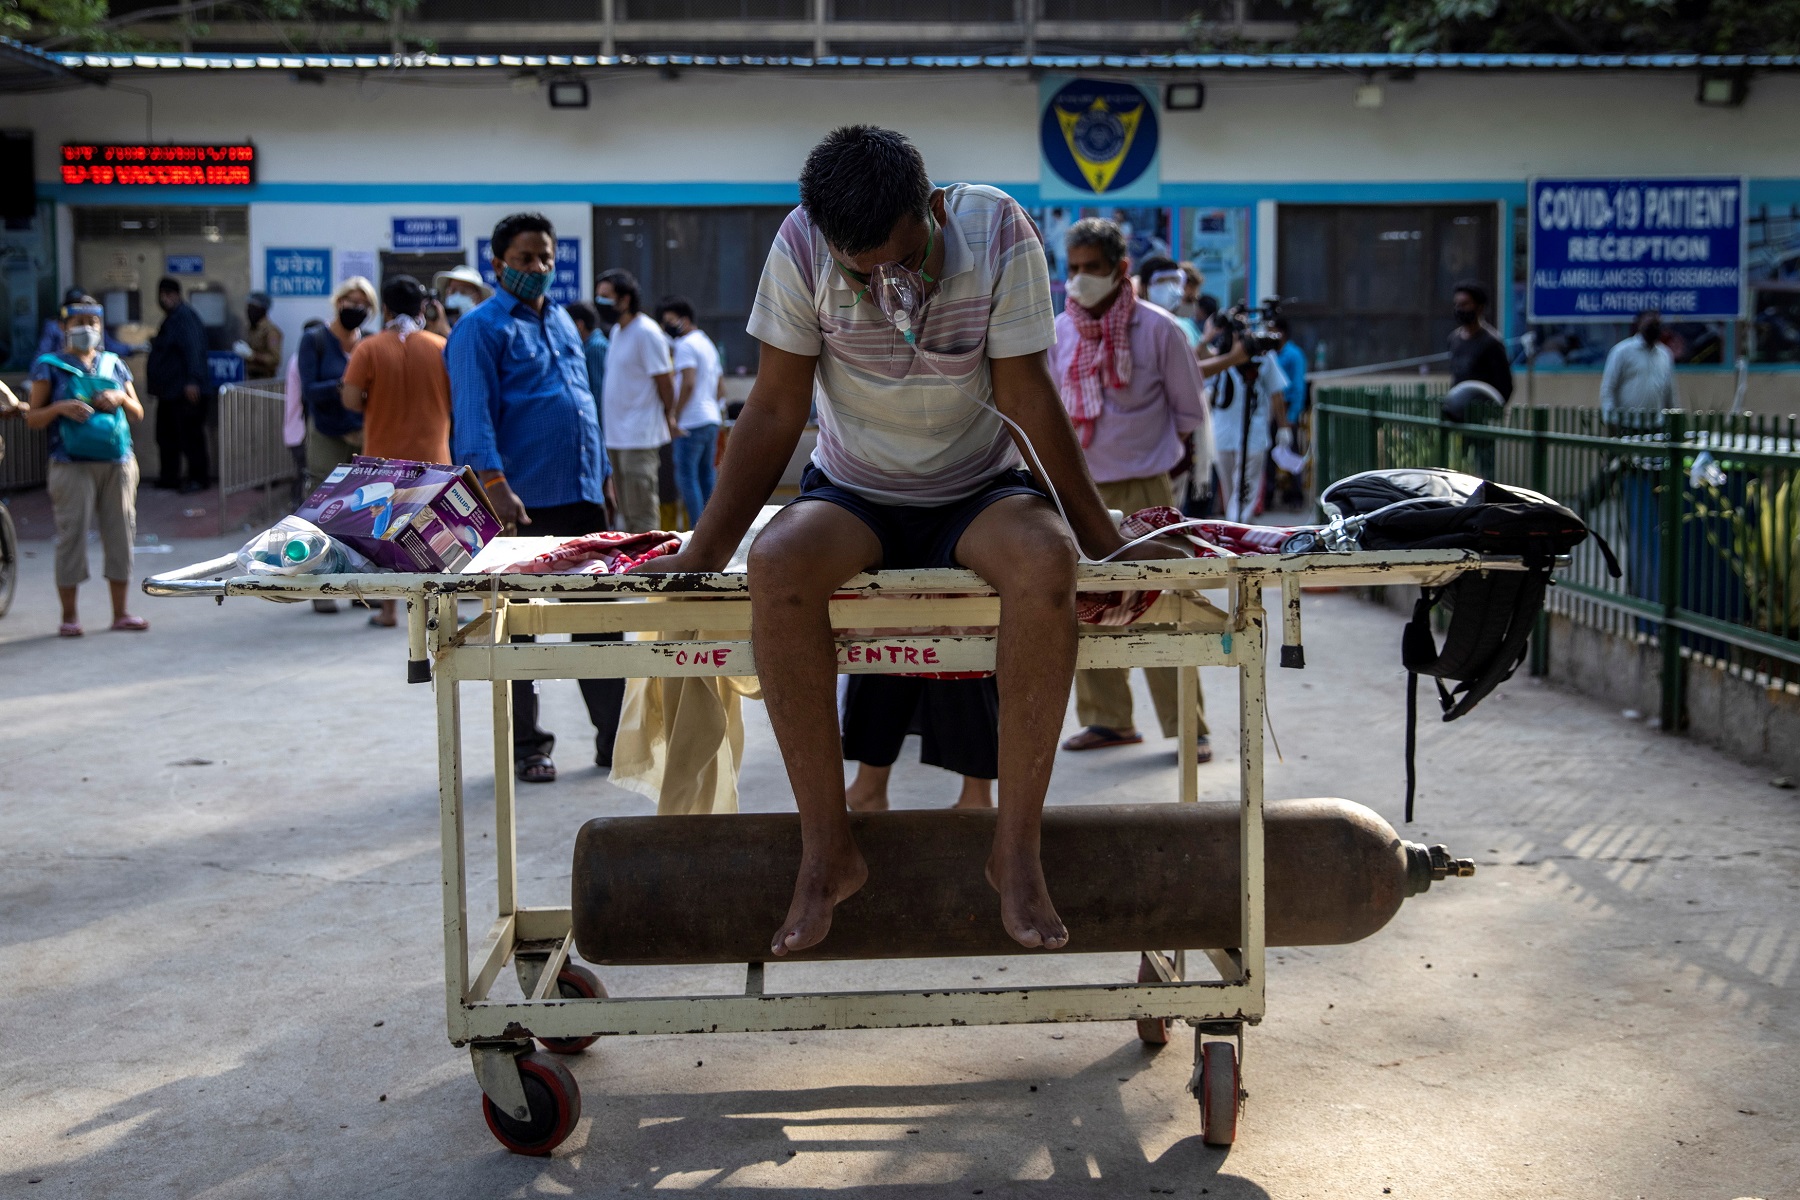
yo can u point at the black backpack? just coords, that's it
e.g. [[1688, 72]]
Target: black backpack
[[1492, 613]]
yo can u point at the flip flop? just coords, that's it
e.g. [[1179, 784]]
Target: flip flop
[[130, 624], [536, 768], [1099, 737], [1203, 750], [68, 629]]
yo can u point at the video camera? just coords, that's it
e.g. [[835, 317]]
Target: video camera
[[1254, 328]]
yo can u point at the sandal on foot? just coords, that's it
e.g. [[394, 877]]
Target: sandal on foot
[[537, 768], [130, 624], [1203, 749], [68, 629], [1099, 737], [376, 620]]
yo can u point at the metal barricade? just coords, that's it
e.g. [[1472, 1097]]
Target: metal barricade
[[252, 452]]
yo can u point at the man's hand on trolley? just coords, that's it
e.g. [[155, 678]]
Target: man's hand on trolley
[[507, 505]]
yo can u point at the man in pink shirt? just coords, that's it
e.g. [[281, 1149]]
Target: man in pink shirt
[[1131, 386]]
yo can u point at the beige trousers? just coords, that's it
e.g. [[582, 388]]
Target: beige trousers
[[90, 493], [1103, 698], [634, 483]]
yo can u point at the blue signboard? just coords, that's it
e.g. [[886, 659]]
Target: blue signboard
[[564, 289], [428, 233], [185, 264], [1603, 249], [225, 367], [290, 272], [1097, 139]]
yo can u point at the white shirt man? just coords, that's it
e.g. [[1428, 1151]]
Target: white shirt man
[[697, 371], [1640, 372], [637, 402]]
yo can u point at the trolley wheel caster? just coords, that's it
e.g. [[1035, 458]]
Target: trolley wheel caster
[[1220, 1089], [575, 982], [555, 1104], [1152, 1031]]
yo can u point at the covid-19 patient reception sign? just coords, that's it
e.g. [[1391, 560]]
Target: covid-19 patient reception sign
[[1604, 249]]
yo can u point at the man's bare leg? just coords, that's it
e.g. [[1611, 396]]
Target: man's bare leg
[[868, 792], [806, 554], [976, 793], [1023, 550]]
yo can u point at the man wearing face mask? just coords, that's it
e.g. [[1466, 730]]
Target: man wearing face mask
[[1160, 282], [181, 381], [913, 315], [639, 401], [1475, 352], [1132, 388], [459, 290], [1640, 371], [523, 415]]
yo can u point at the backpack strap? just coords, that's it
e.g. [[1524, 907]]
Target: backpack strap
[[1418, 650], [1528, 601]]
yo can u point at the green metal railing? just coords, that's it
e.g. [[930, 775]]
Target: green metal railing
[[1703, 510]]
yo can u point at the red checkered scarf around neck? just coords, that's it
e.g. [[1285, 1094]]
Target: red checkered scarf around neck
[[1102, 358]]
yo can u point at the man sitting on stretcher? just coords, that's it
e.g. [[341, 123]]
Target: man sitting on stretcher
[[902, 311]]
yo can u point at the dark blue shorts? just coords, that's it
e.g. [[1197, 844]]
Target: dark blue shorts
[[917, 535]]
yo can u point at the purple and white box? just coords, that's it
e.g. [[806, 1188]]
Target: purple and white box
[[405, 516]]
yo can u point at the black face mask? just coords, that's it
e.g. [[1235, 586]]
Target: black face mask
[[352, 318], [674, 331], [1465, 316], [1651, 333]]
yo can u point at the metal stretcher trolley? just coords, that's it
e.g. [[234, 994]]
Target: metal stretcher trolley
[[531, 1100]]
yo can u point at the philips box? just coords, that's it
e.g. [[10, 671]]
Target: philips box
[[405, 516]]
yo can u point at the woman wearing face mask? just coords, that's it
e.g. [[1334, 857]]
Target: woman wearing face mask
[[460, 289], [83, 396], [333, 433]]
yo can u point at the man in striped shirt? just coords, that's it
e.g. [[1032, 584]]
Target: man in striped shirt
[[913, 469]]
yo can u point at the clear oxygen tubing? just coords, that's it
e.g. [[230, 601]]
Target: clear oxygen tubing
[[903, 322]]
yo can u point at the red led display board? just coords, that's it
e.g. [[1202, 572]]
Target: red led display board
[[141, 165]]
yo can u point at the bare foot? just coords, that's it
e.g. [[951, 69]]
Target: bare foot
[[1025, 907], [824, 882]]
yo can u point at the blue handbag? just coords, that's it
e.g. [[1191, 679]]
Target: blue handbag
[[104, 436]]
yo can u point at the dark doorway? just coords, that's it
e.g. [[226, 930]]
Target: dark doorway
[[421, 266], [712, 256], [1371, 283]]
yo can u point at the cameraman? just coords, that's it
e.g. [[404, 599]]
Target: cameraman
[[1249, 401]]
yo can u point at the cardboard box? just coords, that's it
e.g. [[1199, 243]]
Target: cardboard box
[[405, 516]]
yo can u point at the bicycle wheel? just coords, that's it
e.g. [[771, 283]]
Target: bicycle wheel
[[9, 560]]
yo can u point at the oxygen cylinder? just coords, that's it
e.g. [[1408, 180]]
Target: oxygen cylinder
[[714, 889]]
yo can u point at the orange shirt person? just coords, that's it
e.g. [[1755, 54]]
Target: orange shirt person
[[398, 381]]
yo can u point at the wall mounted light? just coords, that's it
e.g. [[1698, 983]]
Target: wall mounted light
[[1368, 95], [568, 93], [1722, 91], [1184, 97]]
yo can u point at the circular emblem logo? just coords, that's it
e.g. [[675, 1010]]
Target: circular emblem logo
[[1098, 136]]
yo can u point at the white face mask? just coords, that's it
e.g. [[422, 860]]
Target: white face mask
[[82, 338], [1089, 290], [1165, 295]]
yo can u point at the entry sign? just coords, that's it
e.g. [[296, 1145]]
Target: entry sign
[[296, 272], [225, 367], [1602, 249], [428, 233], [564, 289]]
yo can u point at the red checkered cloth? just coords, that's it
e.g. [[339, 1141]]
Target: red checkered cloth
[[607, 553]]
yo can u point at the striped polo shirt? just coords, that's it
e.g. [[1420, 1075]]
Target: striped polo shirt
[[890, 428]]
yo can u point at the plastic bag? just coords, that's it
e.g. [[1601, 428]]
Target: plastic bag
[[295, 546]]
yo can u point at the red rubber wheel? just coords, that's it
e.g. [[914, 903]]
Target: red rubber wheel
[[1152, 1031], [555, 1104], [575, 982], [1219, 1093]]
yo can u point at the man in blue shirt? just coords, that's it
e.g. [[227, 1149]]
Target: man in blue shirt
[[524, 417], [593, 344], [1292, 361]]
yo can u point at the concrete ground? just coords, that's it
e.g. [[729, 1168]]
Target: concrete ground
[[220, 971]]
